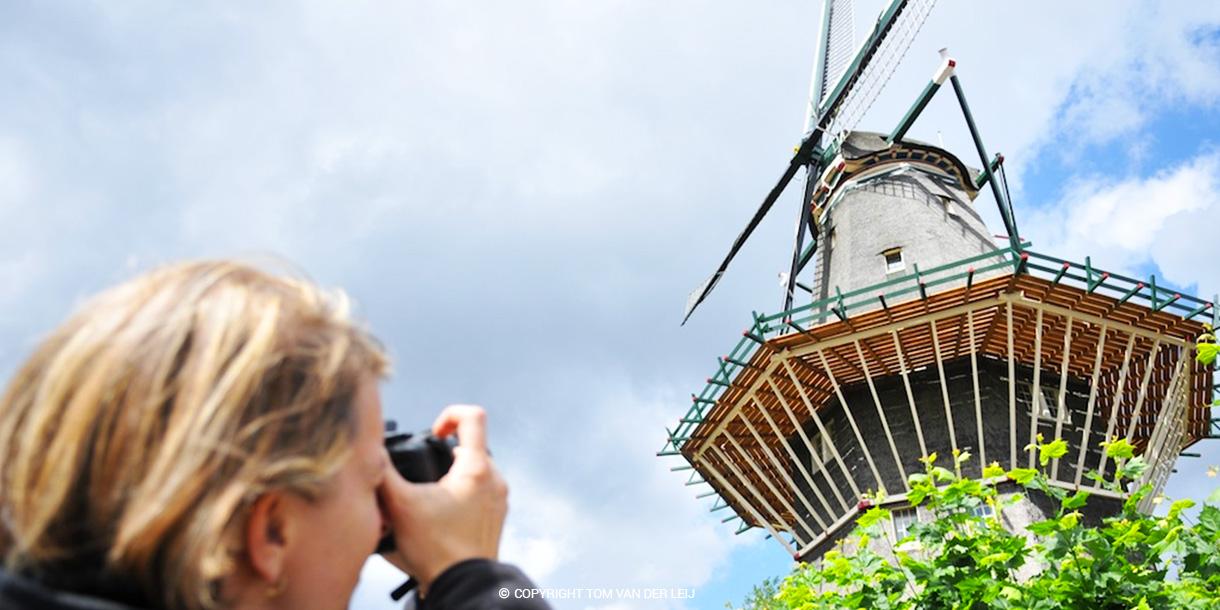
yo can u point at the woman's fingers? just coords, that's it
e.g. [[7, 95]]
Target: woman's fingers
[[459, 517], [470, 423]]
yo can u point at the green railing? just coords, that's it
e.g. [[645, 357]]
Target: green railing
[[841, 305]]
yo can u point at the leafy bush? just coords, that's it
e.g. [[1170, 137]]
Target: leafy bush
[[962, 560]]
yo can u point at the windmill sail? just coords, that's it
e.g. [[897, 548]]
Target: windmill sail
[[852, 94], [836, 47], [866, 82]]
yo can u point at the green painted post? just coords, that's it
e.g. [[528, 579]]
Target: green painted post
[[1010, 224], [913, 112]]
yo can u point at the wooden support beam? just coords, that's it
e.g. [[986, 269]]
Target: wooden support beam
[[1088, 418], [906, 384], [944, 386], [978, 400], [817, 459], [899, 325], [821, 428], [741, 499], [1012, 395], [1061, 411], [851, 419], [1143, 391], [791, 484], [800, 465], [1035, 395], [775, 492], [885, 422], [1116, 400]]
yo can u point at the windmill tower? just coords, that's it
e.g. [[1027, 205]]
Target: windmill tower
[[923, 335]]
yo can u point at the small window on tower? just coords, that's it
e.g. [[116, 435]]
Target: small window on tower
[[903, 519], [893, 260]]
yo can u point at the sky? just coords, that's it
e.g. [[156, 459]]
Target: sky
[[519, 196]]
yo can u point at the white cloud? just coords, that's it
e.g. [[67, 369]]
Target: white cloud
[[629, 522], [1166, 219], [522, 193]]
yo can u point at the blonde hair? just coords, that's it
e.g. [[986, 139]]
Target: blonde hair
[[138, 434]]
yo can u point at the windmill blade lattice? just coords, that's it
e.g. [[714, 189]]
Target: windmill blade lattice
[[877, 73], [838, 49]]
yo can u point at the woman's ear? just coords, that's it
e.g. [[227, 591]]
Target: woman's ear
[[265, 537]]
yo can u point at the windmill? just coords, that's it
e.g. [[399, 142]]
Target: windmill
[[924, 335]]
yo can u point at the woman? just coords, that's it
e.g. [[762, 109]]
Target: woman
[[209, 436]]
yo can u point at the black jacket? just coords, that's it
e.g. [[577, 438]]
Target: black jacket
[[474, 584]]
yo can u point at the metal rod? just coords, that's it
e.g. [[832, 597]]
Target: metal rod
[[1200, 309], [913, 112], [803, 218], [1063, 270], [986, 174], [1100, 280], [1010, 224], [1167, 303], [1130, 293], [740, 363]]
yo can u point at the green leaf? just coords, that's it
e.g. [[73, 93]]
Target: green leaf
[[994, 470], [1076, 500], [872, 516], [1069, 521], [1133, 469], [1051, 451], [1022, 475], [1209, 519], [1119, 449], [1044, 528], [1177, 507], [1214, 498]]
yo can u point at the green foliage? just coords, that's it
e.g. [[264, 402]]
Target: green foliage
[[965, 561]]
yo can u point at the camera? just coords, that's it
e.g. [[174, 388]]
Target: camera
[[419, 458]]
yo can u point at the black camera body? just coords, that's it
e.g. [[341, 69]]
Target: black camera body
[[419, 458]]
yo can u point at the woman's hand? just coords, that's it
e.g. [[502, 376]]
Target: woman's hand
[[460, 517]]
